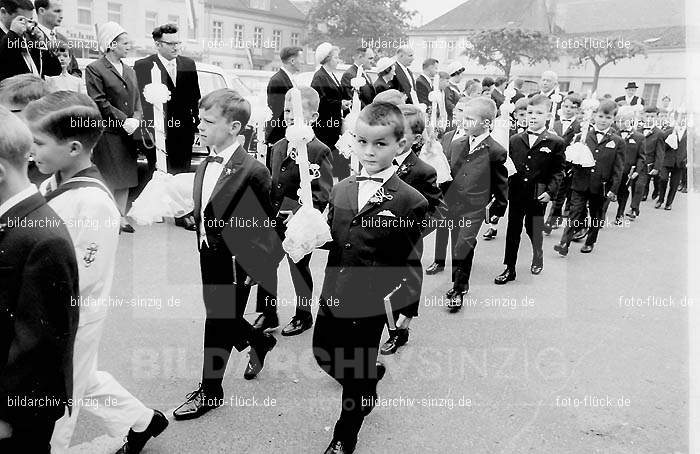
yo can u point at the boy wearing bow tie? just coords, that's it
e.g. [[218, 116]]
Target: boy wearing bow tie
[[234, 215], [375, 220], [674, 163], [634, 158], [538, 156], [653, 158], [285, 201], [591, 186]]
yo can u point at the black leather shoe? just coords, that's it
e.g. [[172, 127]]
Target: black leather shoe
[[198, 402], [381, 371], [658, 205], [339, 447], [397, 338], [667, 208], [435, 268], [256, 357], [506, 276], [619, 220], [547, 228], [632, 214], [535, 269], [586, 248], [654, 195], [298, 325], [267, 323], [454, 297], [562, 249], [135, 441], [490, 234], [126, 228], [578, 236]]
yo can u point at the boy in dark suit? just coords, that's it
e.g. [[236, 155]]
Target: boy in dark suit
[[653, 158], [38, 295], [673, 165], [591, 186], [538, 156], [479, 175], [234, 218], [634, 159], [566, 127], [375, 221], [422, 177], [285, 202]]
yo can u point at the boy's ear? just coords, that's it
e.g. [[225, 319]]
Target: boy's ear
[[76, 148], [314, 117], [235, 128], [402, 142]]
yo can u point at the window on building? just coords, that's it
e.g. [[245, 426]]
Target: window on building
[[260, 4], [217, 30], [151, 22], [85, 12], [294, 39], [237, 66], [173, 19], [114, 12], [192, 31], [564, 87], [277, 39], [451, 49], [257, 37], [429, 47], [651, 94], [238, 35]]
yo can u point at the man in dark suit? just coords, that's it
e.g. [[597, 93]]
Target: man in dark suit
[[277, 87], [538, 156], [364, 56], [179, 74], [654, 146], [478, 177], [497, 93], [404, 80], [38, 302], [365, 263], [23, 47], [592, 185], [673, 165], [549, 87], [234, 217], [630, 98], [424, 82], [49, 14]]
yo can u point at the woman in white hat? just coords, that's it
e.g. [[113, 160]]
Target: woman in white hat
[[112, 85], [330, 109], [385, 75]]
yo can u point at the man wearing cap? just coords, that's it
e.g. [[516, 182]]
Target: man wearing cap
[[364, 56], [631, 98], [404, 80]]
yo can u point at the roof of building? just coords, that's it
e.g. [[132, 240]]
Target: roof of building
[[278, 8], [654, 38]]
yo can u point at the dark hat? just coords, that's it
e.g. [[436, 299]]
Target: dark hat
[[631, 85]]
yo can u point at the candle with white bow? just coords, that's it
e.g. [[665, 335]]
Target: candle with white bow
[[435, 100], [302, 156], [501, 127]]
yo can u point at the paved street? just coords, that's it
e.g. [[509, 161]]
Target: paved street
[[588, 357]]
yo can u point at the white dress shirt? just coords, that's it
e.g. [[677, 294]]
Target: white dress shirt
[[532, 138], [400, 158], [366, 189], [212, 173], [50, 34], [17, 199], [598, 132], [474, 141], [566, 123], [170, 66]]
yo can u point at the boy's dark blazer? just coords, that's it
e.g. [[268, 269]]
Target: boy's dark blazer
[[477, 178], [242, 193], [423, 178], [277, 89], [285, 176], [654, 145], [367, 261], [367, 91], [38, 312], [609, 157], [676, 158], [568, 135], [634, 154], [539, 168]]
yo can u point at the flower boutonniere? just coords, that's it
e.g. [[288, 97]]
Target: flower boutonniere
[[402, 170], [228, 171], [479, 147], [380, 196]]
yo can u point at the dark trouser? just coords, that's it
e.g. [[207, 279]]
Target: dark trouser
[[638, 190], [623, 194], [303, 287], [442, 234], [563, 194], [532, 213], [346, 349], [225, 302], [684, 178], [577, 219], [669, 177], [650, 178], [33, 438], [463, 236]]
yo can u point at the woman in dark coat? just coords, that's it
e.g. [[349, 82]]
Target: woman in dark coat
[[113, 86], [385, 75], [330, 110]]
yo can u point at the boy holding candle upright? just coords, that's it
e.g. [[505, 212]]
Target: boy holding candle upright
[[365, 264], [285, 202]]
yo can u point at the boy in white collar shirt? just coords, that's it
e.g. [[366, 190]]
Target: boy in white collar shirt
[[375, 220], [66, 127], [592, 185]]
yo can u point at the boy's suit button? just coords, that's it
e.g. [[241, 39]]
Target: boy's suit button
[[524, 179], [279, 186], [529, 157], [283, 169], [354, 222], [348, 245]]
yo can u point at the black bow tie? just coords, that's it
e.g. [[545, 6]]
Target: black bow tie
[[377, 179], [533, 133], [218, 159]]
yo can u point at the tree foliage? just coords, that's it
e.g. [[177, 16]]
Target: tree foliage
[[601, 51]]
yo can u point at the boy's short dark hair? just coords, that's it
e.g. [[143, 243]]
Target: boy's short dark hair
[[486, 107], [575, 99], [67, 115], [500, 80], [429, 62], [607, 107], [540, 100], [63, 46], [487, 82], [521, 104], [233, 106], [288, 52], [384, 114], [18, 91], [651, 109], [161, 30], [414, 118], [11, 6], [15, 139]]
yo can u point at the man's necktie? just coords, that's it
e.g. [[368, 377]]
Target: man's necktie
[[218, 159], [377, 179]]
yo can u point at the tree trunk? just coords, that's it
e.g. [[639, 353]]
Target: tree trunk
[[506, 69], [596, 76]]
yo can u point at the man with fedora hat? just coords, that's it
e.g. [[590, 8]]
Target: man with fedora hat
[[631, 98]]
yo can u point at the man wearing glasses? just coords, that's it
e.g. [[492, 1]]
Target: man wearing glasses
[[179, 74]]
